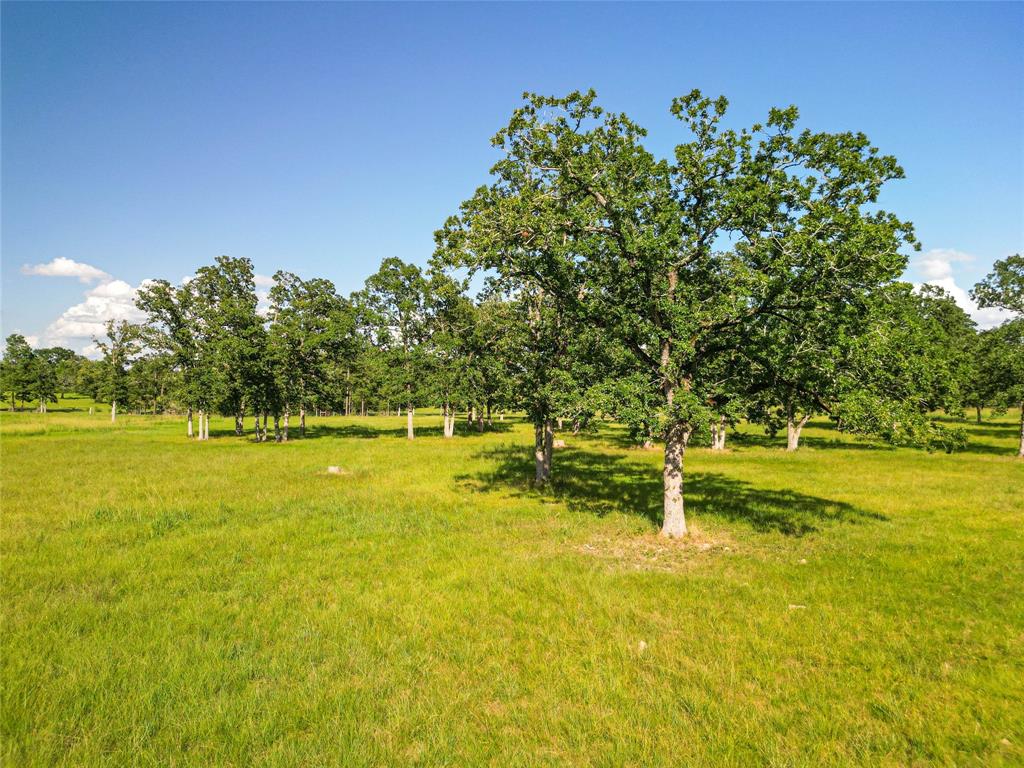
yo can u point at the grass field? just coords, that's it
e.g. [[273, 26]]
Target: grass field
[[172, 603]]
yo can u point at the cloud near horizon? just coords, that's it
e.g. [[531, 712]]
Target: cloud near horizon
[[936, 267]]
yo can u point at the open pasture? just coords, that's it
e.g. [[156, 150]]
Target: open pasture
[[168, 602]]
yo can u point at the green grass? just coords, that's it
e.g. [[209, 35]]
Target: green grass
[[170, 603]]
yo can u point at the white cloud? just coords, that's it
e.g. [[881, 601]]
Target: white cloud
[[936, 267], [263, 281], [77, 325], [62, 267]]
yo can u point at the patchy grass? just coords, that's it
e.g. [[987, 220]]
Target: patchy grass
[[229, 603]]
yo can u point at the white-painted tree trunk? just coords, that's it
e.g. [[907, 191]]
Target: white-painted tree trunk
[[793, 429], [263, 439], [113, 411], [674, 525], [1020, 450], [302, 420], [239, 423], [190, 421], [284, 429], [718, 435], [409, 433]]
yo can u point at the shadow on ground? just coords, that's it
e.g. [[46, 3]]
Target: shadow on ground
[[599, 483]]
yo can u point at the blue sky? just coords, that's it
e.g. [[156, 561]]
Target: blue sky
[[143, 140]]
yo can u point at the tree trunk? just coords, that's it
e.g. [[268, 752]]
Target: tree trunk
[[206, 427], [263, 438], [408, 422], [449, 420], [1020, 450], [674, 525], [480, 421], [549, 446], [277, 428], [977, 408], [471, 415], [539, 476], [718, 435], [559, 422], [302, 420], [256, 424], [362, 406], [284, 431], [239, 423], [489, 422], [113, 411], [501, 416], [190, 421], [793, 429]]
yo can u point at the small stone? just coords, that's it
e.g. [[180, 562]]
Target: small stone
[[793, 607], [559, 444], [803, 561], [334, 470], [641, 646]]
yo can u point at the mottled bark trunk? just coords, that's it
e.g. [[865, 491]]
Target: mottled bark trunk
[[977, 408], [206, 427], [263, 437], [256, 425], [501, 416], [489, 422], [543, 447], [674, 525], [284, 427], [480, 421], [409, 433], [277, 428], [793, 429], [239, 423], [560, 420], [302, 420], [113, 411]]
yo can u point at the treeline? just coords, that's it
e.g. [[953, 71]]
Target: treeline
[[749, 276]]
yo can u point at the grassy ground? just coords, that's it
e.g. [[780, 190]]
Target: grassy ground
[[226, 603]]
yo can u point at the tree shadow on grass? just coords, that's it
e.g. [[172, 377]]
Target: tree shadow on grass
[[599, 484], [370, 430]]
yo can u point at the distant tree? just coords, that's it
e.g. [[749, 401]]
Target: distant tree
[[17, 370], [1003, 287], [44, 378], [1002, 348], [395, 305], [309, 329], [89, 378], [121, 344], [173, 327], [152, 378]]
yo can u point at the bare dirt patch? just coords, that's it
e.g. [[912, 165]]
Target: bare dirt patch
[[651, 552]]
